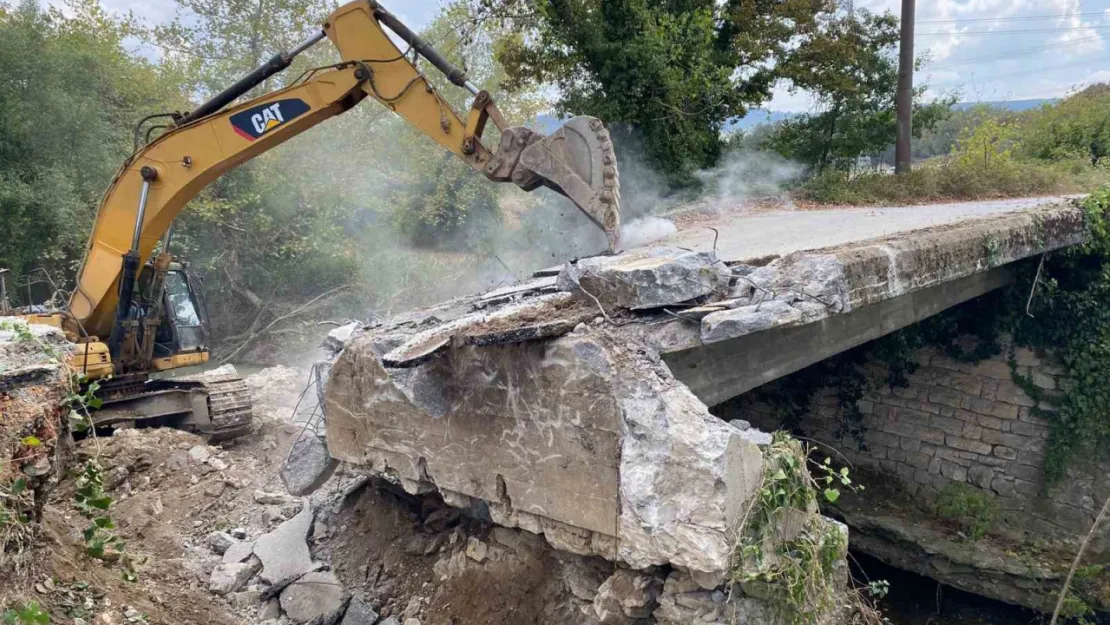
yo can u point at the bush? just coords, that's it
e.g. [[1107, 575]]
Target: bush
[[971, 509], [948, 180]]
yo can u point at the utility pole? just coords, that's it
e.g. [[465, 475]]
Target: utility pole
[[904, 102]]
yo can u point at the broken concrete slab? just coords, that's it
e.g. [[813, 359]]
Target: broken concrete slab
[[308, 465], [317, 598], [590, 437], [646, 279], [582, 438], [284, 551], [228, 578], [238, 552]]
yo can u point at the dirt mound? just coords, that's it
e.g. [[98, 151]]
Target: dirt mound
[[169, 491], [33, 384]]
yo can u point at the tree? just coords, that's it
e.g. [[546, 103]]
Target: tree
[[70, 95], [852, 71], [1077, 127], [210, 44], [674, 71]]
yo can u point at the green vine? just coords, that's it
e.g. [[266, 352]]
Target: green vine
[[1059, 304], [1070, 318], [786, 551]]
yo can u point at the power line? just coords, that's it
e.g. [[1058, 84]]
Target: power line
[[1013, 31], [1007, 54], [1034, 70], [1013, 18]]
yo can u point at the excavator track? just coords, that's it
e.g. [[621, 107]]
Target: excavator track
[[229, 404], [216, 405], [229, 408]]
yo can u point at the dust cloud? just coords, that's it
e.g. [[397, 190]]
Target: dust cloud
[[364, 167]]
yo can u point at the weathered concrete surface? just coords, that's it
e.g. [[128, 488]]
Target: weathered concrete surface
[[559, 411], [807, 306], [743, 235], [581, 438]]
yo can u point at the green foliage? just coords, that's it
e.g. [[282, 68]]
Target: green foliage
[[674, 72], [1070, 318], [852, 71], [945, 181], [971, 509], [90, 500], [1077, 127], [30, 613], [69, 94], [983, 152], [797, 571]]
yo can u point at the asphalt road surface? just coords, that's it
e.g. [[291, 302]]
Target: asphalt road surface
[[756, 234]]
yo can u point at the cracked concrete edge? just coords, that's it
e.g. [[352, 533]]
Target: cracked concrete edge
[[674, 495], [804, 287]]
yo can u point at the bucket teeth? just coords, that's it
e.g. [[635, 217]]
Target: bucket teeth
[[578, 161]]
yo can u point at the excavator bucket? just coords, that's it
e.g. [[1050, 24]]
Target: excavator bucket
[[577, 161]]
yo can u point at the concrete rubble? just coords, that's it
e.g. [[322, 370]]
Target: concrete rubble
[[284, 552], [556, 405], [308, 465]]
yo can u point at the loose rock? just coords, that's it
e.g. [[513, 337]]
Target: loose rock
[[309, 465], [626, 596], [284, 552], [317, 597], [228, 578], [219, 542], [199, 454], [238, 552], [360, 612]]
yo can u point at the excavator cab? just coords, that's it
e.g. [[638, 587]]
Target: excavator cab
[[184, 327]]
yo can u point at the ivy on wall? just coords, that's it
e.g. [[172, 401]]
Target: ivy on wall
[[1058, 304], [1070, 318]]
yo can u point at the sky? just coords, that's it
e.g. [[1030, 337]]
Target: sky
[[984, 50]]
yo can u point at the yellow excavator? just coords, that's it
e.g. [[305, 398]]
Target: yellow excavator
[[149, 308]]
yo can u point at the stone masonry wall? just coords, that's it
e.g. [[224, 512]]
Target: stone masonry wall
[[956, 422]]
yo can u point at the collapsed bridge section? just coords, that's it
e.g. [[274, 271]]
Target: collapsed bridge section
[[575, 405]]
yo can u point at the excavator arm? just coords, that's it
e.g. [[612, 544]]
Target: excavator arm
[[157, 182]]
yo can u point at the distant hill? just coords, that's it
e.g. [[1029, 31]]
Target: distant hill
[[1010, 105], [756, 117]]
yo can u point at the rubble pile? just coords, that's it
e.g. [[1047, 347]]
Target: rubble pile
[[543, 405], [33, 383]]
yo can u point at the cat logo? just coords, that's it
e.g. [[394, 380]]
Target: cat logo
[[258, 120]]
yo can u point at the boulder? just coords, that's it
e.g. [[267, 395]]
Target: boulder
[[316, 597], [228, 578], [626, 596], [284, 551], [309, 465]]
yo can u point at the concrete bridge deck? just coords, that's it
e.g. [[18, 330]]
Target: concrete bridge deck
[[575, 405]]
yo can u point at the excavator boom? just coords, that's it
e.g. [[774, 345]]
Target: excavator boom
[[156, 183]]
